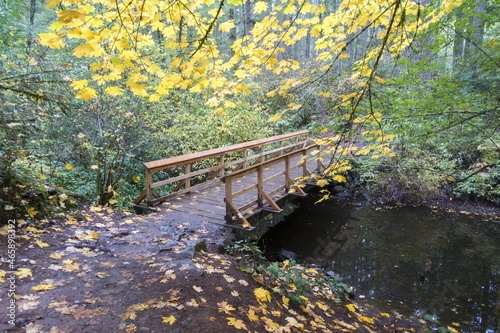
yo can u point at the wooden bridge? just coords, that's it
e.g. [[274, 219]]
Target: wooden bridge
[[230, 184]]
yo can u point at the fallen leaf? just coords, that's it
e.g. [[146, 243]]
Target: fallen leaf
[[228, 278], [252, 316], [262, 295], [235, 293], [43, 287], [23, 272], [2, 275], [70, 266], [41, 244], [225, 307], [237, 323], [56, 255], [366, 319], [351, 307], [198, 289], [168, 320], [101, 275]]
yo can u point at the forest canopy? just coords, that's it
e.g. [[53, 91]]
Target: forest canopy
[[91, 89]]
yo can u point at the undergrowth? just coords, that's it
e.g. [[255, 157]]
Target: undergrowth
[[288, 278]]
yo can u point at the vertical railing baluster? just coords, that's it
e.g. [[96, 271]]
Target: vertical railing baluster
[[260, 179], [187, 181], [304, 165], [221, 166], [149, 192], [229, 198], [287, 173]]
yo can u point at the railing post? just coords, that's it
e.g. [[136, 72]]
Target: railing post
[[244, 158], [261, 154], [318, 160], [149, 192], [260, 186], [287, 173], [221, 165], [187, 181], [228, 198], [304, 165]]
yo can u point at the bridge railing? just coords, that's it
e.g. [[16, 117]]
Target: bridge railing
[[264, 187], [182, 174]]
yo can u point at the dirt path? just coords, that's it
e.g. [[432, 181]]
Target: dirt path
[[116, 272]]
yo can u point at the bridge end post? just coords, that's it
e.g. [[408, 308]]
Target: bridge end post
[[149, 190]]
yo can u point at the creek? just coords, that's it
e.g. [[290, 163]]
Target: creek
[[412, 260]]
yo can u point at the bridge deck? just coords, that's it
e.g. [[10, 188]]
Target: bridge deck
[[207, 203]]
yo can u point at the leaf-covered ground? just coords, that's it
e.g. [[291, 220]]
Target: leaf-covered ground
[[111, 271]]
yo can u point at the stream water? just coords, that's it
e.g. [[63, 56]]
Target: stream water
[[413, 260]]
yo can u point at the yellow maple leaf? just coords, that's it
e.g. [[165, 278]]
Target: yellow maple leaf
[[52, 3], [198, 289], [33, 229], [339, 178], [55, 256], [262, 295], [252, 316], [43, 287], [366, 319], [227, 26], [23, 272], [259, 7], [225, 307], [77, 85], [70, 266], [86, 93], [351, 307], [228, 278], [70, 15], [41, 244], [51, 40], [168, 320], [2, 275], [237, 323], [93, 234], [275, 118], [114, 91], [322, 182], [32, 212]]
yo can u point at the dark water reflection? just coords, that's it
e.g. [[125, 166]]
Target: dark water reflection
[[412, 260]]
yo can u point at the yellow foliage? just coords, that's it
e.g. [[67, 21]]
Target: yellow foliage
[[103, 29], [262, 295], [322, 182]]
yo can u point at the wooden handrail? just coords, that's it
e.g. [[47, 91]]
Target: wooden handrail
[[198, 156], [223, 162]]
